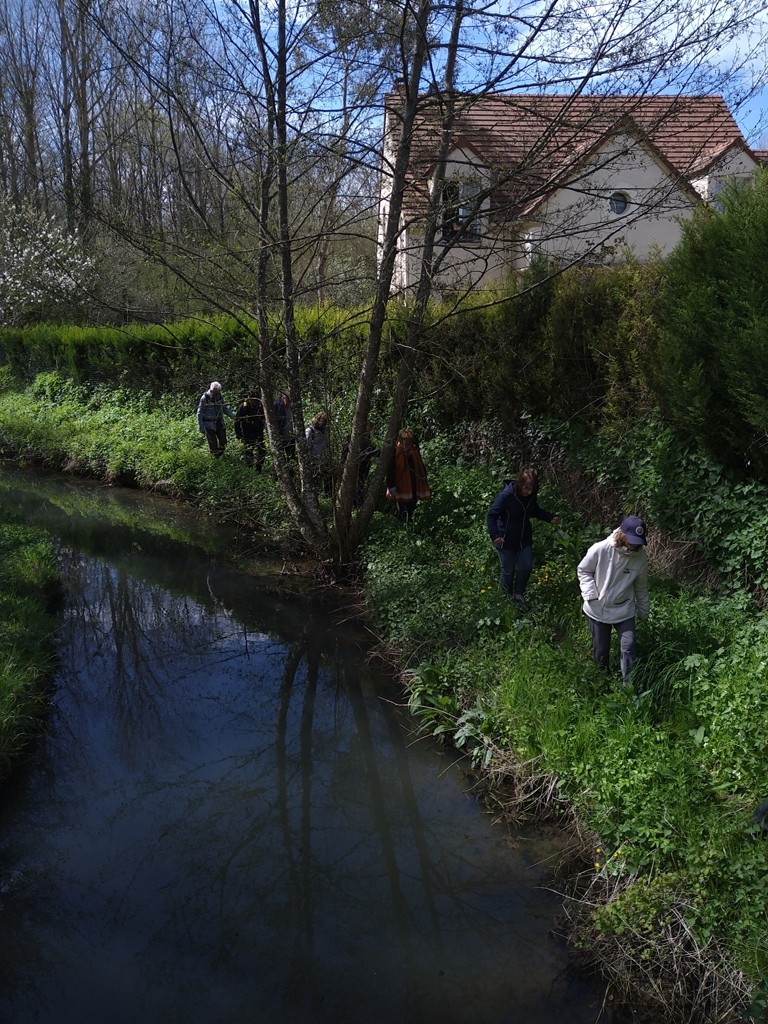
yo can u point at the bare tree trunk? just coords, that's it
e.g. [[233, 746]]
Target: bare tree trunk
[[356, 529]]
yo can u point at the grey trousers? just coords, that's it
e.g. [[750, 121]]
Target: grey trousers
[[217, 439], [601, 642]]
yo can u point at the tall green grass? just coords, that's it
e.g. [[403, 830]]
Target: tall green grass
[[28, 577]]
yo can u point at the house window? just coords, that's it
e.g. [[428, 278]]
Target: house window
[[461, 216], [715, 188], [619, 202]]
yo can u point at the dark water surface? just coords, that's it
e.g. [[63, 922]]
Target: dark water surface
[[228, 821]]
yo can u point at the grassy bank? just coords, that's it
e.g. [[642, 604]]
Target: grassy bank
[[133, 439], [671, 893], [28, 577], [671, 898]]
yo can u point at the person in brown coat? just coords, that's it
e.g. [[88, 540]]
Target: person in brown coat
[[407, 482]]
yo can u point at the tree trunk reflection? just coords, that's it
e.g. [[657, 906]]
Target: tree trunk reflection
[[225, 821]]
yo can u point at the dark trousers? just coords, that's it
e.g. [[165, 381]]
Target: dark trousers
[[601, 643], [254, 452], [516, 569], [217, 439], [405, 510]]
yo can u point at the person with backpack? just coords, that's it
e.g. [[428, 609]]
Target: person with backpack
[[210, 418], [509, 527], [249, 429]]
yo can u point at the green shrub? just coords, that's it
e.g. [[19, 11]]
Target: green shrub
[[712, 357]]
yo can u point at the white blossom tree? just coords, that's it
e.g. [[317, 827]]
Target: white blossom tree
[[44, 273]]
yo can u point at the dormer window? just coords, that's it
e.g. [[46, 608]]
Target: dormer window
[[619, 202], [460, 211]]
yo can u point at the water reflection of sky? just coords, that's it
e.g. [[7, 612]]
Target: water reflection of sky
[[227, 823]]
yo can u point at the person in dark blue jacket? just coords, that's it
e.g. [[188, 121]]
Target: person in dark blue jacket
[[509, 527]]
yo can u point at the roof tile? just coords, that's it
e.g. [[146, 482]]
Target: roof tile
[[530, 143]]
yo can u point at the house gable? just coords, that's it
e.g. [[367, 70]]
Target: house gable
[[735, 162], [623, 195], [574, 174]]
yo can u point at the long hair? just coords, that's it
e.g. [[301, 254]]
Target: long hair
[[528, 477]]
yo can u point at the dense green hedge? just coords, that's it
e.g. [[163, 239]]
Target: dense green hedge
[[181, 356], [712, 362], [571, 346]]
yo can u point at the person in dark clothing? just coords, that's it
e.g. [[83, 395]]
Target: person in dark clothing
[[249, 429], [284, 417], [509, 527], [316, 435]]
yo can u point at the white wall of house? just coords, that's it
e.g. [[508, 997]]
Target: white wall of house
[[623, 196], [486, 262], [735, 164]]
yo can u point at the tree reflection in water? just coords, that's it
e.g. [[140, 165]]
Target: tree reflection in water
[[225, 822]]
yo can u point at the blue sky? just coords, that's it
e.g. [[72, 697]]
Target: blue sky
[[753, 120]]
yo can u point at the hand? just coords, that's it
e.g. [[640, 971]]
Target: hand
[[555, 520], [497, 541]]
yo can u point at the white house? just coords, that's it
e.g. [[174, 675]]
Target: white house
[[564, 177]]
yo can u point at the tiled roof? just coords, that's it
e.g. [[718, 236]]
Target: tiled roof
[[531, 143]]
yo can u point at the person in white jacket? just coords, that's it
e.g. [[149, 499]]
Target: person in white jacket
[[613, 577]]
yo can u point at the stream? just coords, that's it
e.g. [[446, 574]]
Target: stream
[[229, 819]]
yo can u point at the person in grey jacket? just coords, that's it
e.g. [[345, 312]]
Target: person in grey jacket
[[210, 418], [613, 578]]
